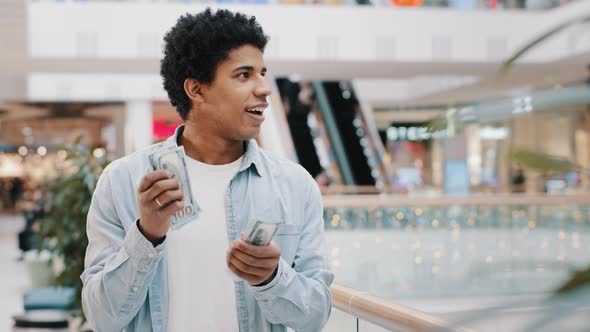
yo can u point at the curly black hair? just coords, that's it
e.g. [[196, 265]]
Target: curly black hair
[[198, 43]]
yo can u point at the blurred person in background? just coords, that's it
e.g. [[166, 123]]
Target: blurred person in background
[[139, 276], [16, 191], [3, 193], [519, 181], [299, 98]]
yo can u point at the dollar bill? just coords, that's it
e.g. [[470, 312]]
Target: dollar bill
[[173, 159], [259, 233], [158, 150]]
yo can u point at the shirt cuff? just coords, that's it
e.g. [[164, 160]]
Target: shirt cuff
[[154, 243], [141, 251], [261, 292]]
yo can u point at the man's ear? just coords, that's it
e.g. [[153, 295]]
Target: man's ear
[[193, 90]]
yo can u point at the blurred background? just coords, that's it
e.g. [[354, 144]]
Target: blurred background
[[450, 138]]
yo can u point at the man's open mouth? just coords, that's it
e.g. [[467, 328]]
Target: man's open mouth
[[255, 111]]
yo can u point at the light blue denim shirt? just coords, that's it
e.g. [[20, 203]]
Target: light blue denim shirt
[[125, 277]]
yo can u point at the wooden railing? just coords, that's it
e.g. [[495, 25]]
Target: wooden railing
[[386, 314]]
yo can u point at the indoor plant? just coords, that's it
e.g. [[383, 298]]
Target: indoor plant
[[62, 229]]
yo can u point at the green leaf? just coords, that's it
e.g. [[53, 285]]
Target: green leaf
[[507, 64], [541, 162], [90, 180], [578, 279]]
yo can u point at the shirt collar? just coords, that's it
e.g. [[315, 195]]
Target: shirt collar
[[251, 156]]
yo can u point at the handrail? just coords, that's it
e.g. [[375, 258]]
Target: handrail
[[385, 200], [386, 314], [341, 190]]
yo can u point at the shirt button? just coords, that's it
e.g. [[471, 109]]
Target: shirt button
[[135, 289], [151, 255]]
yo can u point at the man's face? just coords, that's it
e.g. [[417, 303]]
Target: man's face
[[235, 101]]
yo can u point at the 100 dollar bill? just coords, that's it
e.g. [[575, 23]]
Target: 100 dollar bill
[[259, 233], [173, 160]]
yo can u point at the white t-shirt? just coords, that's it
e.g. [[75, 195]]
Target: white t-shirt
[[201, 288]]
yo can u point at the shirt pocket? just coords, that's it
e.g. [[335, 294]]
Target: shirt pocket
[[288, 237]]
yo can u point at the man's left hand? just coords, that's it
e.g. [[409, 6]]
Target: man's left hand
[[255, 264]]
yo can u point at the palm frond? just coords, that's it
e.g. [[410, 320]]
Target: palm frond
[[507, 64], [577, 280], [541, 162]]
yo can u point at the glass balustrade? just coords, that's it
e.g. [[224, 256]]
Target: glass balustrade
[[451, 259]]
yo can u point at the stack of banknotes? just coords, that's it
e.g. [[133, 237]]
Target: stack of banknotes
[[259, 233], [173, 159]]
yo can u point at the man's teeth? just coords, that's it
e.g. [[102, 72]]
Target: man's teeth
[[255, 110]]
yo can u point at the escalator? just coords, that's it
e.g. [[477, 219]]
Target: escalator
[[334, 136]]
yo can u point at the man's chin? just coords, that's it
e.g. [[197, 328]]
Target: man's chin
[[250, 135]]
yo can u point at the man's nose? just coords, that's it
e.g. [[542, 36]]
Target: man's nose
[[263, 87]]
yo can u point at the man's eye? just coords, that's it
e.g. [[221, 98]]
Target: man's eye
[[244, 75]]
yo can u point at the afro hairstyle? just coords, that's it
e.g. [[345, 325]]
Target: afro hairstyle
[[196, 45]]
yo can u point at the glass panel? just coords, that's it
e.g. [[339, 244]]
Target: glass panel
[[457, 250], [365, 326], [341, 321], [457, 258]]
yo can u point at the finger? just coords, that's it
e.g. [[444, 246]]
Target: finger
[[246, 276], [268, 251], [159, 187], [152, 177], [253, 270], [172, 208], [169, 196], [265, 263]]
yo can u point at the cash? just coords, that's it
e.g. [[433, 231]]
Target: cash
[[172, 159], [259, 233]]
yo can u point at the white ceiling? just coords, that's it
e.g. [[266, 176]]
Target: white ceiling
[[388, 84]]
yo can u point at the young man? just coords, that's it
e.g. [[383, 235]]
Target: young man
[[141, 276]]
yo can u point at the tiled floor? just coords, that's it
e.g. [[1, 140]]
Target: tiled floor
[[13, 278]]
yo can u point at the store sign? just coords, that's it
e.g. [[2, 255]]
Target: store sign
[[162, 129], [408, 134], [408, 3], [493, 133]]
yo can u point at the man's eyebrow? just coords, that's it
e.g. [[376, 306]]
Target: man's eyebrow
[[248, 68]]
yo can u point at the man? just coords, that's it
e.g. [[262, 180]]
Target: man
[[141, 276]]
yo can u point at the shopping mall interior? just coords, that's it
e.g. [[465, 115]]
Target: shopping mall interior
[[450, 140]]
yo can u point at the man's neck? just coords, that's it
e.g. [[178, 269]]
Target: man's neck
[[210, 149]]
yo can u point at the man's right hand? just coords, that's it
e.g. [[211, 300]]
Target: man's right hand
[[160, 197]]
